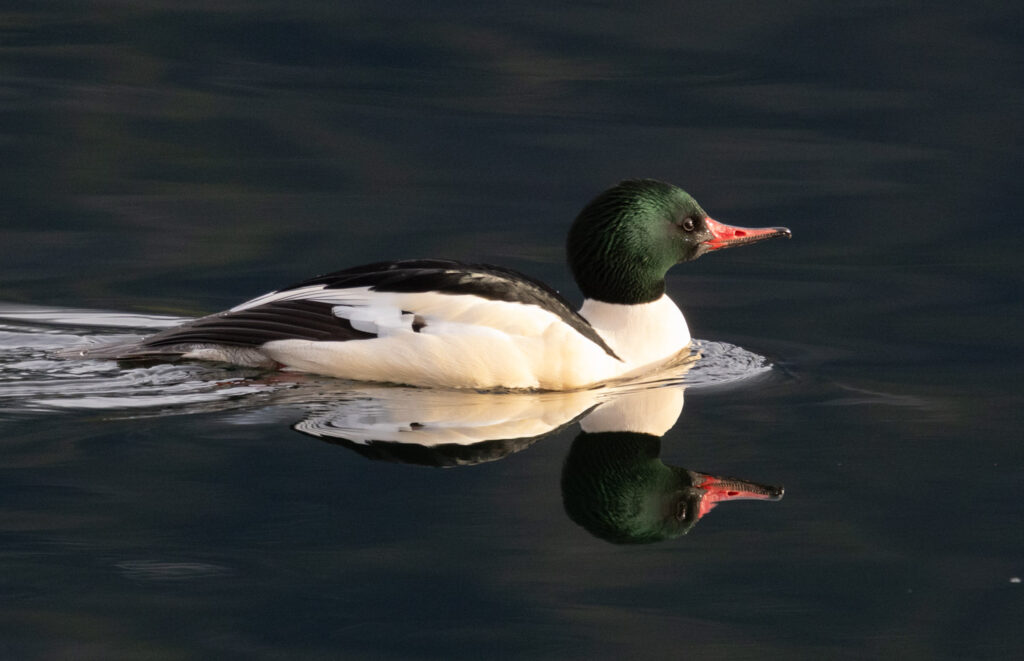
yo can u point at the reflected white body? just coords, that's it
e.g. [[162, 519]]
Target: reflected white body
[[432, 418]]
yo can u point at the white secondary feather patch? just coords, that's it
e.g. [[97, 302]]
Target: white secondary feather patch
[[376, 319]]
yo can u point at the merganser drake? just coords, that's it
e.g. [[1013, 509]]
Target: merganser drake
[[440, 323]]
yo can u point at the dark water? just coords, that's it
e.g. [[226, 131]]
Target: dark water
[[172, 159]]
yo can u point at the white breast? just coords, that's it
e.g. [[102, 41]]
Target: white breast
[[640, 334]]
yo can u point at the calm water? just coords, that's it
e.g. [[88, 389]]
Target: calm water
[[164, 160]]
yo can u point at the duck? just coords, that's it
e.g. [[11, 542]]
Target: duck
[[447, 324]]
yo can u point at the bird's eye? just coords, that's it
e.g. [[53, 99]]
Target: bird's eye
[[688, 224], [681, 510]]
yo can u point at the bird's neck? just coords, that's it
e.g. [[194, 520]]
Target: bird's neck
[[632, 282], [642, 333]]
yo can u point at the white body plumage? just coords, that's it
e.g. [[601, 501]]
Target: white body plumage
[[466, 341]]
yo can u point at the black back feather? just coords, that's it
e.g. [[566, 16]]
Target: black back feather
[[278, 320], [444, 276]]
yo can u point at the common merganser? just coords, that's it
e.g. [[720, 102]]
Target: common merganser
[[440, 323]]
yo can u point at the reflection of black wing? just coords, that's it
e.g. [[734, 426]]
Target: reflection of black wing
[[441, 456]]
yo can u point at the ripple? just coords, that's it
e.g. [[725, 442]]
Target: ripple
[[721, 363], [31, 379]]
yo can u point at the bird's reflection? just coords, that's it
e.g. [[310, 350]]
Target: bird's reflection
[[614, 484], [443, 428]]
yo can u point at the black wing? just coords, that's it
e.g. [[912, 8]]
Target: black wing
[[253, 327]]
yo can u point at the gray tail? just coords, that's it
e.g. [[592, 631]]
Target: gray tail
[[121, 351]]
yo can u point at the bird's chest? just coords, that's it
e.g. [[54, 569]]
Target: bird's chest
[[640, 334]]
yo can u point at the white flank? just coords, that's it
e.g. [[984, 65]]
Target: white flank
[[466, 341]]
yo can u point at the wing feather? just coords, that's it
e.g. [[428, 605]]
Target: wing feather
[[354, 287], [277, 320]]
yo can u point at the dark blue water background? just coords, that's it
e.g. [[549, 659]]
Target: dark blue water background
[[170, 158]]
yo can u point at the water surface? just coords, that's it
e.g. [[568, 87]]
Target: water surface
[[165, 160]]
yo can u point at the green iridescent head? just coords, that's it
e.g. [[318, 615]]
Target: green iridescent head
[[626, 239]]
